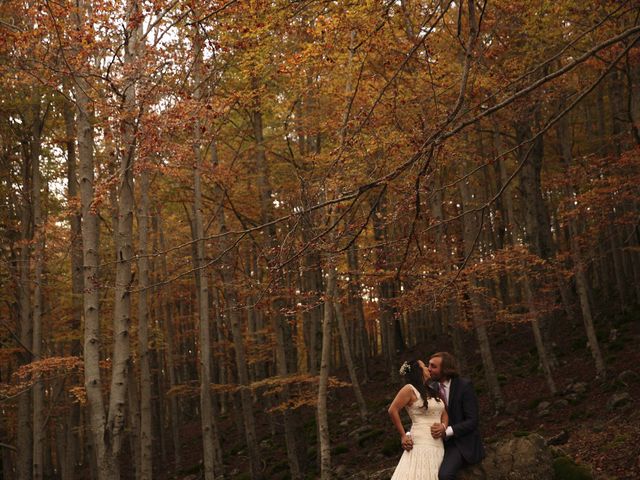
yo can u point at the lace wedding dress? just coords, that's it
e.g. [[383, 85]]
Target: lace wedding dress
[[423, 461]]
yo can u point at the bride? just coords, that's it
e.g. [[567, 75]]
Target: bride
[[423, 453]]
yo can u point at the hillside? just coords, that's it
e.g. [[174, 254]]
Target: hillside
[[596, 422]]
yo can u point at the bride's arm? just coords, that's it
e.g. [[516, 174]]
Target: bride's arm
[[403, 398]]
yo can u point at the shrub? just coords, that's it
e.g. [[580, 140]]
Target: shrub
[[566, 469]]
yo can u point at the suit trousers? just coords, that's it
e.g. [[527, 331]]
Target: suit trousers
[[452, 463]]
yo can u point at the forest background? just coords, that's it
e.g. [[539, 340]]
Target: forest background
[[225, 224]]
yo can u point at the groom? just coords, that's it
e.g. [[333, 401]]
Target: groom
[[462, 443]]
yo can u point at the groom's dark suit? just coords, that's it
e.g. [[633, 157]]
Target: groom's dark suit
[[465, 446]]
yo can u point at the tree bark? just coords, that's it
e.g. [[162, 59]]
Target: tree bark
[[69, 446], [346, 349], [470, 226], [169, 336], [25, 432], [39, 239], [121, 359], [583, 294], [206, 407], [323, 418], [355, 300], [230, 293], [279, 321], [146, 472], [90, 255]]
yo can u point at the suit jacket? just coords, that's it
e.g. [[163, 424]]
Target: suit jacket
[[463, 418]]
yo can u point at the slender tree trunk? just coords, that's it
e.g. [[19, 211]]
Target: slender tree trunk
[[231, 301], [90, 254], [392, 341], [535, 325], [355, 300], [146, 452], [169, 338], [39, 237], [124, 255], [206, 408], [581, 280], [205, 359], [279, 321], [69, 446], [469, 234], [311, 287], [537, 233], [583, 294], [323, 417], [450, 314], [25, 432], [346, 349], [133, 438]]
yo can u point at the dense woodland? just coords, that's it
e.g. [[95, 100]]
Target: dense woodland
[[209, 209]]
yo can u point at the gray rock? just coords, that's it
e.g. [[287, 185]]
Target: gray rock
[[505, 423], [340, 471], [561, 403], [543, 406], [543, 413], [572, 397], [580, 387], [344, 423], [618, 400], [628, 377], [519, 458], [559, 439]]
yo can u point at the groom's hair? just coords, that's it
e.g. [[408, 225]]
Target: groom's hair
[[449, 366]]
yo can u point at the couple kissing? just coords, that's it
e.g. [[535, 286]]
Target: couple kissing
[[443, 408]]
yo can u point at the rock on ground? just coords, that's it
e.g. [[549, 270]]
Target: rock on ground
[[518, 458]]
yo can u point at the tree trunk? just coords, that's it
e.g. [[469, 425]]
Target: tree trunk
[[450, 318], [279, 321], [537, 233], [169, 338], [582, 286], [535, 325], [230, 293], [133, 438], [469, 232], [69, 446], [346, 349], [323, 418], [206, 407], [39, 238], [583, 294], [90, 255], [121, 359], [25, 432], [355, 300], [392, 342], [146, 452]]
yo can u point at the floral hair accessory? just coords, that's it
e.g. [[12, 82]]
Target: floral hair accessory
[[405, 368]]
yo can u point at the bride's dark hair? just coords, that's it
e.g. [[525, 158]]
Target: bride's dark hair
[[412, 374]]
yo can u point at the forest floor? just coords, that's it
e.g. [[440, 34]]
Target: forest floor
[[591, 431]]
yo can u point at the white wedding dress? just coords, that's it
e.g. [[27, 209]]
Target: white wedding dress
[[423, 461]]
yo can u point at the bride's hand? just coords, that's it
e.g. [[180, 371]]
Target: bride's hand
[[407, 442]]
